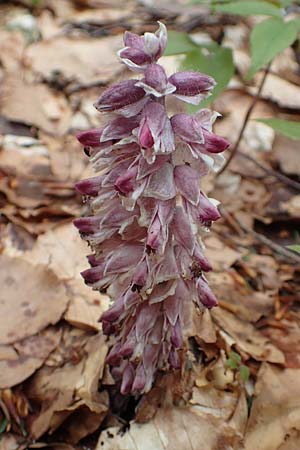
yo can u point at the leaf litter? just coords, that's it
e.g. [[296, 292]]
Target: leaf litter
[[55, 390]]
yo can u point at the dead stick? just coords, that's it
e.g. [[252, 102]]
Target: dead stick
[[260, 237], [248, 114], [274, 173]]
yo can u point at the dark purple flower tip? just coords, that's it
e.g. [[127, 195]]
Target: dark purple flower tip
[[145, 136], [114, 357], [214, 143], [125, 183], [94, 261], [127, 379], [87, 224], [90, 138], [92, 275], [155, 76], [107, 328], [133, 40], [90, 186], [119, 95], [127, 349], [176, 337], [140, 274], [174, 360], [114, 312], [206, 296], [192, 83], [208, 212], [200, 259], [140, 380], [135, 55]]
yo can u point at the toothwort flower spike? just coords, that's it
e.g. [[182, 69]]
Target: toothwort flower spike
[[146, 211]]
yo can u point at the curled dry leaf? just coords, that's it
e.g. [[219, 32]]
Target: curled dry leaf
[[70, 384], [20, 360], [246, 337], [179, 428], [31, 298], [45, 109], [275, 412]]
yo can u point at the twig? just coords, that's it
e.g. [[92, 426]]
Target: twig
[[288, 181], [248, 114], [260, 237]]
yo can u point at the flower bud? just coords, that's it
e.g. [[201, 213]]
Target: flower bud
[[119, 95], [192, 83]]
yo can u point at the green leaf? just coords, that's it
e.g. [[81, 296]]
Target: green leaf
[[286, 2], [179, 43], [215, 61], [288, 128], [231, 364], [248, 8], [235, 356], [269, 38], [3, 425], [244, 372], [295, 248]]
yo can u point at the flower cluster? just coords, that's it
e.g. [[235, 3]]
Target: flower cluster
[[147, 211]]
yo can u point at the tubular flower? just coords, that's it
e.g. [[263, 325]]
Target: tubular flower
[[146, 211]]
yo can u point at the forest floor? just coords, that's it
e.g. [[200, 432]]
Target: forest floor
[[240, 387]]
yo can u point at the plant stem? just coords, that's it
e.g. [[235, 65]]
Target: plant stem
[[248, 114]]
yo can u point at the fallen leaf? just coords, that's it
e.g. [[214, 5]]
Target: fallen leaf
[[45, 109], [275, 412], [20, 360], [288, 160], [220, 255], [82, 60], [175, 428], [246, 338], [70, 384], [63, 251], [31, 299]]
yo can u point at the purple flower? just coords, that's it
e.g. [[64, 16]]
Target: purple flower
[[192, 87], [155, 132], [156, 82], [146, 212], [126, 98], [140, 51]]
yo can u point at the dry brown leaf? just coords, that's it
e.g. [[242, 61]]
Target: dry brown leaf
[[11, 441], [292, 207], [246, 337], [24, 156], [82, 60], [234, 104], [287, 339], [286, 153], [72, 384], [275, 411], [280, 91], [31, 298], [235, 293], [219, 254], [45, 108], [64, 252], [175, 428], [20, 360]]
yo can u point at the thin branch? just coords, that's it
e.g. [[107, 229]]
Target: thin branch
[[286, 180], [248, 114], [263, 239]]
